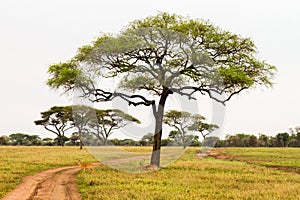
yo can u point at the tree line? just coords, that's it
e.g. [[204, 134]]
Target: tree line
[[285, 139], [22, 139]]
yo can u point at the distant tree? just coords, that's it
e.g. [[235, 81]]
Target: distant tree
[[74, 139], [298, 137], [56, 120], [58, 140], [34, 140], [107, 121], [203, 128], [166, 142], [4, 140], [48, 141], [180, 121], [263, 140], [193, 140], [147, 139], [163, 55], [115, 141], [293, 143], [128, 142], [221, 143], [82, 116], [252, 141], [274, 142], [282, 139], [295, 136], [175, 138], [25, 139], [18, 139]]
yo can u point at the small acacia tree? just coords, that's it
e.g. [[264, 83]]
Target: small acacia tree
[[179, 120], [147, 139], [56, 120], [200, 126], [81, 116], [107, 121], [162, 55], [184, 121]]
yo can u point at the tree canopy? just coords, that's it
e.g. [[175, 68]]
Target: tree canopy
[[107, 121], [202, 127], [56, 120], [163, 55], [179, 120], [184, 122]]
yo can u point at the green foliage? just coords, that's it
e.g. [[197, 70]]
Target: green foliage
[[147, 139], [24, 139], [179, 120], [63, 75], [202, 127], [4, 140], [207, 53], [184, 121], [107, 121], [57, 120]]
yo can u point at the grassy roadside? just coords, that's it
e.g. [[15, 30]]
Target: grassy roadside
[[17, 162], [192, 178], [287, 159]]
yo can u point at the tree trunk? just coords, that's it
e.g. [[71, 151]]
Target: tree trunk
[[203, 143], [183, 140], [61, 141], [80, 136], [105, 141], [184, 144], [155, 157], [81, 145]]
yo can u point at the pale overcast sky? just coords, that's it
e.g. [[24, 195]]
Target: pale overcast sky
[[37, 33]]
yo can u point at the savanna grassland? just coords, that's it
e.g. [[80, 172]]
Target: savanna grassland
[[209, 178], [249, 173]]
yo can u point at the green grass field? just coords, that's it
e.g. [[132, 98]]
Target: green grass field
[[251, 174]]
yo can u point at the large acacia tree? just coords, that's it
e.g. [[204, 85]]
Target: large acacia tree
[[163, 55]]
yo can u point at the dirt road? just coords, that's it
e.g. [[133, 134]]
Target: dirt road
[[53, 184]]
